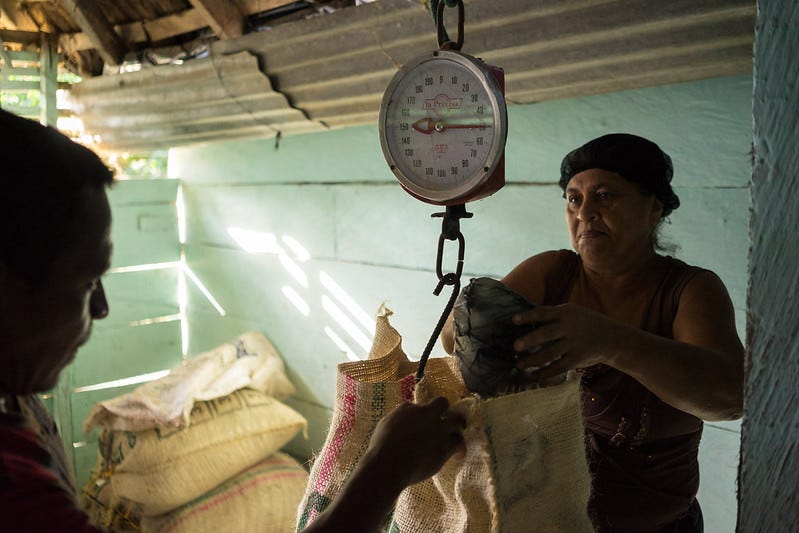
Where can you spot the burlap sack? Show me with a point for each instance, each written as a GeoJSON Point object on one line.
{"type": "Point", "coordinates": [159, 470]}
{"type": "Point", "coordinates": [262, 498]}
{"type": "Point", "coordinates": [524, 469]}
{"type": "Point", "coordinates": [248, 361]}
{"type": "Point", "coordinates": [103, 510]}
{"type": "Point", "coordinates": [365, 392]}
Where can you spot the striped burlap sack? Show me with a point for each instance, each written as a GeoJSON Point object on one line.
{"type": "Point", "coordinates": [158, 470]}
{"type": "Point", "coordinates": [365, 392]}
{"type": "Point", "coordinates": [524, 468]}
{"type": "Point", "coordinates": [262, 498]}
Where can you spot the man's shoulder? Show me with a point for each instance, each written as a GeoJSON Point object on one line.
{"type": "Point", "coordinates": [23, 461]}
{"type": "Point", "coordinates": [32, 497]}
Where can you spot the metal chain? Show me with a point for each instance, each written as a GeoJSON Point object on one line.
{"type": "Point", "coordinates": [450, 231]}
{"type": "Point", "coordinates": [444, 42]}
{"type": "Point", "coordinates": [450, 225]}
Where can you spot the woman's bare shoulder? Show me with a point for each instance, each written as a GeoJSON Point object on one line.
{"type": "Point", "coordinates": [529, 277]}
{"type": "Point", "coordinates": [540, 263]}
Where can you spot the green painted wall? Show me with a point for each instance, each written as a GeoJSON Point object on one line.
{"type": "Point", "coordinates": [332, 195]}
{"type": "Point", "coordinates": [144, 232]}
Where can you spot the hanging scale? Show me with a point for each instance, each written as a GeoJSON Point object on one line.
{"type": "Point", "coordinates": [443, 124]}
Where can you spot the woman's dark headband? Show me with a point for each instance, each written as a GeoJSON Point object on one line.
{"type": "Point", "coordinates": [634, 158]}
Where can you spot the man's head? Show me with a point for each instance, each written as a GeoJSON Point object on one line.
{"type": "Point", "coordinates": [54, 246]}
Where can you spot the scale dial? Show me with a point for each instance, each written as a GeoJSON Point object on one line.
{"type": "Point", "coordinates": [443, 125]}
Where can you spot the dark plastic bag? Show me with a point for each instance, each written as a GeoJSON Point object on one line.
{"type": "Point", "coordinates": [484, 337]}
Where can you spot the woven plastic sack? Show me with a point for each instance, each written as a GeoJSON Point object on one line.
{"type": "Point", "coordinates": [524, 468]}
{"type": "Point", "coordinates": [248, 361]}
{"type": "Point", "coordinates": [262, 498]}
{"type": "Point", "coordinates": [159, 470]}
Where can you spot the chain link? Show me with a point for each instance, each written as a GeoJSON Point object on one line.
{"type": "Point", "coordinates": [444, 41]}
{"type": "Point", "coordinates": [450, 231]}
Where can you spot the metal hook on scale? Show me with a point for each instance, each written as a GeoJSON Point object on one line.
{"type": "Point", "coordinates": [443, 125]}
{"type": "Point", "coordinates": [450, 231]}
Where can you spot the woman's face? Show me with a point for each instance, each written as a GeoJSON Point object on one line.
{"type": "Point", "coordinates": [610, 221]}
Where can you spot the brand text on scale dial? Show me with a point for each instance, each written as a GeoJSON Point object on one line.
{"type": "Point", "coordinates": [444, 128]}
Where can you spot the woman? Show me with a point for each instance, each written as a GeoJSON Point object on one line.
{"type": "Point", "coordinates": [653, 337]}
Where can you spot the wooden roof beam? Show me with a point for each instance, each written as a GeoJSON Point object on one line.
{"type": "Point", "coordinates": [21, 37]}
{"type": "Point", "coordinates": [223, 16]}
{"type": "Point", "coordinates": [164, 27]}
{"type": "Point", "coordinates": [14, 18]}
{"type": "Point", "coordinates": [101, 33]}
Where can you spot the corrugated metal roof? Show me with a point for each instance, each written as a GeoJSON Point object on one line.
{"type": "Point", "coordinates": [210, 99]}
{"type": "Point", "coordinates": [331, 71]}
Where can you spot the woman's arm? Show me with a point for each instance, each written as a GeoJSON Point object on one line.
{"type": "Point", "coordinates": [699, 372]}
{"type": "Point", "coordinates": [409, 445]}
{"type": "Point", "coordinates": [704, 376]}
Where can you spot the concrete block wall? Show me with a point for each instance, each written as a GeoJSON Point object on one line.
{"type": "Point", "coordinates": [769, 497]}
{"type": "Point", "coordinates": [327, 226]}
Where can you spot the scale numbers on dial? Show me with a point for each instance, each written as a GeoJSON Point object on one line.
{"type": "Point", "coordinates": [440, 125]}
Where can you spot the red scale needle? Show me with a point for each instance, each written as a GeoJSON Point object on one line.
{"type": "Point", "coordinates": [428, 125]}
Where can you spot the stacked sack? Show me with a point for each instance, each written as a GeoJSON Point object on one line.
{"type": "Point", "coordinates": [214, 465]}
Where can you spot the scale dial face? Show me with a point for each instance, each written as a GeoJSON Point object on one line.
{"type": "Point", "coordinates": [443, 125]}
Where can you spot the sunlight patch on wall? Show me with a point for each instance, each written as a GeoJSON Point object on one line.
{"type": "Point", "coordinates": [180, 206]}
{"type": "Point", "coordinates": [133, 380]}
{"type": "Point", "coordinates": [183, 269]}
{"type": "Point", "coordinates": [345, 322]}
{"type": "Point", "coordinates": [184, 273]}
{"type": "Point", "coordinates": [255, 242]}
{"type": "Point", "coordinates": [294, 297]}
{"type": "Point", "coordinates": [261, 242]}
{"type": "Point", "coordinates": [346, 300]}
{"type": "Point", "coordinates": [338, 341]}
{"type": "Point", "coordinates": [338, 304]}
{"type": "Point", "coordinates": [183, 298]}
{"type": "Point", "coordinates": [200, 285]}
{"type": "Point", "coordinates": [294, 270]}
{"type": "Point", "coordinates": [155, 320]}
{"type": "Point", "coordinates": [145, 267]}
{"type": "Point", "coordinates": [296, 248]}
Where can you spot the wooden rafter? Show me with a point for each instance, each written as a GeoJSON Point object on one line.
{"type": "Point", "coordinates": [14, 18]}
{"type": "Point", "coordinates": [141, 32]}
{"type": "Point", "coordinates": [100, 32]}
{"type": "Point", "coordinates": [165, 27]}
{"type": "Point", "coordinates": [20, 37]}
{"type": "Point", "coordinates": [223, 17]}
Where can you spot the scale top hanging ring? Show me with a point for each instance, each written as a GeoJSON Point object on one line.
{"type": "Point", "coordinates": [443, 42]}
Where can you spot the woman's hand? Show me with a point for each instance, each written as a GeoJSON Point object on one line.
{"type": "Point", "coordinates": [566, 337]}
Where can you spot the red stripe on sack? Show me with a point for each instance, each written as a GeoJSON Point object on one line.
{"type": "Point", "coordinates": [228, 495]}
{"type": "Point", "coordinates": [340, 436]}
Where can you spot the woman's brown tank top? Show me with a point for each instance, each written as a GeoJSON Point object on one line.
{"type": "Point", "coordinates": [642, 452]}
